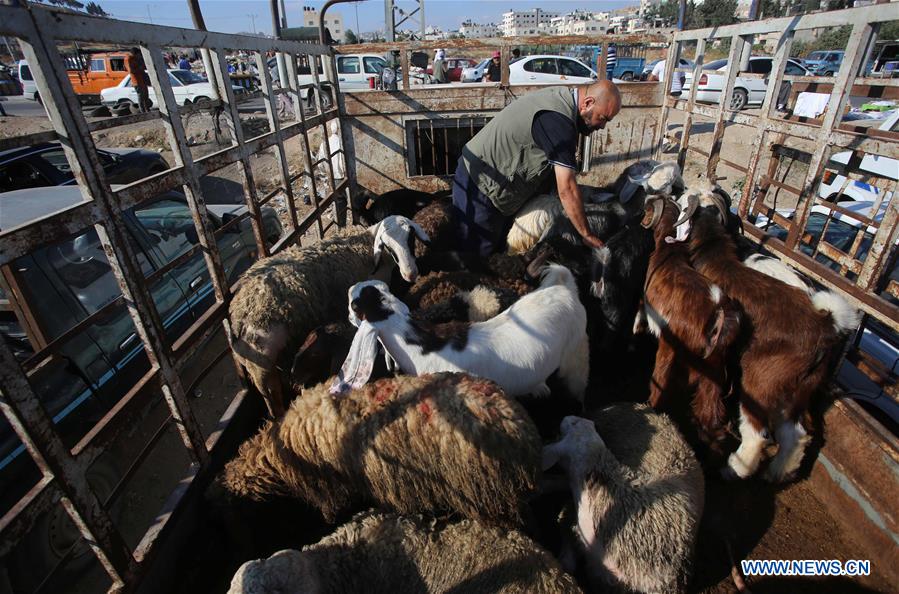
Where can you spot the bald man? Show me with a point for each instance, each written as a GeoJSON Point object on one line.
{"type": "Point", "coordinates": [506, 163]}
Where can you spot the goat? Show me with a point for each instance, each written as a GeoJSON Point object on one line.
{"type": "Point", "coordinates": [787, 350]}
{"type": "Point", "coordinates": [695, 323]}
{"type": "Point", "coordinates": [519, 349]}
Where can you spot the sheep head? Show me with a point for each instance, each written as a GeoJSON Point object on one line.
{"type": "Point", "coordinates": [395, 235]}
{"type": "Point", "coordinates": [704, 195]}
{"type": "Point", "coordinates": [372, 301]}
{"type": "Point", "coordinates": [285, 571]}
{"type": "Point", "coordinates": [578, 439]}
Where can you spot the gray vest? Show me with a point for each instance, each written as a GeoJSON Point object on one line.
{"type": "Point", "coordinates": [503, 160]}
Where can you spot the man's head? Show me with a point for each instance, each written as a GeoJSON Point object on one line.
{"type": "Point", "coordinates": [598, 104]}
{"type": "Point", "coordinates": [496, 57]}
{"type": "Point", "coordinates": [516, 53]}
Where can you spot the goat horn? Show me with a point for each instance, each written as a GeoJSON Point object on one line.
{"type": "Point", "coordinates": [537, 263]}
{"type": "Point", "coordinates": [692, 205]}
{"type": "Point", "coordinates": [658, 208]}
{"type": "Point", "coordinates": [721, 206]}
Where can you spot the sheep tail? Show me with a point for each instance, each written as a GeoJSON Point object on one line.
{"type": "Point", "coordinates": [845, 317]}
{"type": "Point", "coordinates": [724, 324]}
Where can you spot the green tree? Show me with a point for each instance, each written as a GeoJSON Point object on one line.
{"type": "Point", "coordinates": [889, 31]}
{"type": "Point", "coordinates": [95, 9]}
{"type": "Point", "coordinates": [712, 14]}
{"type": "Point", "coordinates": [349, 37]}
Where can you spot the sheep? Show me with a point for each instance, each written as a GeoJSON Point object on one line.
{"type": "Point", "coordinates": [438, 287]}
{"type": "Point", "coordinates": [371, 209]}
{"type": "Point", "coordinates": [283, 297]}
{"type": "Point", "coordinates": [440, 442]}
{"type": "Point", "coordinates": [389, 553]}
{"type": "Point", "coordinates": [519, 349]}
{"type": "Point", "coordinates": [775, 268]}
{"type": "Point", "coordinates": [789, 352]}
{"type": "Point", "coordinates": [639, 493]}
{"type": "Point", "coordinates": [695, 323]}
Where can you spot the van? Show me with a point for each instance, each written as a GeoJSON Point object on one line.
{"type": "Point", "coordinates": [29, 87]}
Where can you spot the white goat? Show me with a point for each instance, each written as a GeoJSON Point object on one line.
{"type": "Point", "coordinates": [518, 349]}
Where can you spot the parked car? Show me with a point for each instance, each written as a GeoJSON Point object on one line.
{"type": "Point", "coordinates": [627, 68]}
{"type": "Point", "coordinates": [92, 73]}
{"type": "Point", "coordinates": [747, 91]}
{"type": "Point", "coordinates": [46, 165]}
{"type": "Point", "coordinates": [877, 340]}
{"type": "Point", "coordinates": [475, 73]}
{"type": "Point", "coordinates": [542, 69]}
{"type": "Point", "coordinates": [26, 79]}
{"type": "Point", "coordinates": [832, 180]}
{"type": "Point", "coordinates": [885, 62]}
{"type": "Point", "coordinates": [188, 87]}
{"type": "Point", "coordinates": [69, 280]}
{"type": "Point", "coordinates": [824, 63]}
{"type": "Point", "coordinates": [454, 68]}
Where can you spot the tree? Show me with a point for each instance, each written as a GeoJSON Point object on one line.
{"type": "Point", "coordinates": [95, 9]}
{"type": "Point", "coordinates": [349, 37]}
{"type": "Point", "coordinates": [91, 8]}
{"type": "Point", "coordinates": [712, 14]}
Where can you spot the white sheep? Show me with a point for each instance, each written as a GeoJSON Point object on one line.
{"type": "Point", "coordinates": [284, 297]}
{"type": "Point", "coordinates": [389, 553]}
{"type": "Point", "coordinates": [519, 349]}
{"type": "Point", "coordinates": [639, 496]}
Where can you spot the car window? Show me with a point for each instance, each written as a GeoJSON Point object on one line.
{"type": "Point", "coordinates": [349, 65]}
{"type": "Point", "coordinates": [117, 64]}
{"type": "Point", "coordinates": [373, 65]}
{"type": "Point", "coordinates": [760, 66]}
{"type": "Point", "coordinates": [541, 65]}
{"type": "Point", "coordinates": [833, 57]}
{"type": "Point", "coordinates": [170, 227]}
{"type": "Point", "coordinates": [25, 72]}
{"type": "Point", "coordinates": [715, 65]}
{"type": "Point", "coordinates": [815, 55]}
{"type": "Point", "coordinates": [56, 159]}
{"type": "Point", "coordinates": [484, 63]}
{"type": "Point", "coordinates": [187, 77]}
{"type": "Point", "coordinates": [793, 68]}
{"type": "Point", "coordinates": [572, 68]}
{"type": "Point", "coordinates": [21, 174]}
{"type": "Point", "coordinates": [98, 65]}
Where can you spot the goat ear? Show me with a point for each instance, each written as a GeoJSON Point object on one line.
{"type": "Point", "coordinates": [420, 233]}
{"type": "Point", "coordinates": [551, 455]}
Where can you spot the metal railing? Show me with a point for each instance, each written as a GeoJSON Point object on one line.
{"type": "Point", "coordinates": [39, 31]}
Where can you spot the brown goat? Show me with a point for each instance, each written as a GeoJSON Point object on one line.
{"type": "Point", "coordinates": [696, 324]}
{"type": "Point", "coordinates": [787, 348]}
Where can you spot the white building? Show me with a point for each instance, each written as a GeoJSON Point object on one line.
{"type": "Point", "coordinates": [579, 22]}
{"type": "Point", "coordinates": [333, 21]}
{"type": "Point", "coordinates": [473, 30]}
{"type": "Point", "coordinates": [527, 22]}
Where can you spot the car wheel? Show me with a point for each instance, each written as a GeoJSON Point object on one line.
{"type": "Point", "coordinates": [738, 100]}
{"type": "Point", "coordinates": [627, 76]}
{"type": "Point", "coordinates": [37, 97]}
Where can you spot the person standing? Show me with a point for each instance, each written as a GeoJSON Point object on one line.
{"type": "Point", "coordinates": [440, 66]}
{"type": "Point", "coordinates": [611, 61]}
{"type": "Point", "coordinates": [533, 139]}
{"type": "Point", "coordinates": [134, 64]}
{"type": "Point", "coordinates": [184, 64]}
{"type": "Point", "coordinates": [493, 73]}
{"type": "Point", "coordinates": [677, 78]}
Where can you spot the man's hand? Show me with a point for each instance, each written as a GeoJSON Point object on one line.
{"type": "Point", "coordinates": [570, 195]}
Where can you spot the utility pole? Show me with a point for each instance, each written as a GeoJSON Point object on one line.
{"type": "Point", "coordinates": [253, 19]}
{"type": "Point", "coordinates": [149, 16]}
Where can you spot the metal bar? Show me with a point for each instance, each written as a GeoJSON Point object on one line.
{"type": "Point", "coordinates": [19, 304]}
{"type": "Point", "coordinates": [738, 46]}
{"type": "Point", "coordinates": [307, 154]}
{"type": "Point", "coordinates": [672, 59]}
{"type": "Point", "coordinates": [505, 58]}
{"type": "Point", "coordinates": [500, 42]}
{"type": "Point", "coordinates": [691, 104]}
{"type": "Point", "coordinates": [19, 520]}
{"type": "Point", "coordinates": [883, 243]}
{"type": "Point", "coordinates": [404, 65]}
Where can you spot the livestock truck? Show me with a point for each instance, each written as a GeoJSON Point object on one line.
{"type": "Point", "coordinates": [131, 501]}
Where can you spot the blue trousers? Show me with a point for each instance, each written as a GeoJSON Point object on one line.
{"type": "Point", "coordinates": [480, 227]}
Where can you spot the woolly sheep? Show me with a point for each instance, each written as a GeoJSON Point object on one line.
{"type": "Point", "coordinates": [389, 553]}
{"type": "Point", "coordinates": [283, 297]}
{"type": "Point", "coordinates": [441, 442]}
{"type": "Point", "coordinates": [639, 494]}
{"type": "Point", "coordinates": [435, 288]}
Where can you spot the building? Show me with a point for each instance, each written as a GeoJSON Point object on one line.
{"type": "Point", "coordinates": [527, 22]}
{"type": "Point", "coordinates": [580, 22]}
{"type": "Point", "coordinates": [333, 21]}
{"type": "Point", "coordinates": [473, 30]}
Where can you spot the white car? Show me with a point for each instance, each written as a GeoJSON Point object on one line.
{"type": "Point", "coordinates": [552, 70]}
{"type": "Point", "coordinates": [476, 73]}
{"type": "Point", "coordinates": [832, 181]}
{"type": "Point", "coordinates": [747, 91]}
{"type": "Point", "coordinates": [187, 86]}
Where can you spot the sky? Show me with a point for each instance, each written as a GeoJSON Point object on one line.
{"type": "Point", "coordinates": [232, 16]}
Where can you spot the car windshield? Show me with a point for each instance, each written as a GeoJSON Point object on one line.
{"type": "Point", "coordinates": [187, 77]}
{"type": "Point", "coordinates": [817, 55]}
{"type": "Point", "coordinates": [717, 64]}
{"type": "Point", "coordinates": [484, 63]}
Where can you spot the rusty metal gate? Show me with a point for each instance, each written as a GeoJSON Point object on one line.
{"type": "Point", "coordinates": [41, 32]}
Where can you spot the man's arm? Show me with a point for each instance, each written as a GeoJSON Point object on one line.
{"type": "Point", "coordinates": [573, 203]}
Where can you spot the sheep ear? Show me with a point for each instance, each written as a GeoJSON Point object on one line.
{"type": "Point", "coordinates": [551, 455]}
{"type": "Point", "coordinates": [420, 233]}
{"type": "Point", "coordinates": [377, 252]}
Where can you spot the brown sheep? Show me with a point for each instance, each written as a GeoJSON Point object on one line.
{"type": "Point", "coordinates": [389, 553]}
{"type": "Point", "coordinates": [445, 441]}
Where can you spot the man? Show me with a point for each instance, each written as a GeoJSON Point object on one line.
{"type": "Point", "coordinates": [493, 72]}
{"type": "Point", "coordinates": [677, 79]}
{"type": "Point", "coordinates": [532, 139]}
{"type": "Point", "coordinates": [439, 69]}
{"type": "Point", "coordinates": [516, 55]}
{"type": "Point", "coordinates": [134, 64]}
{"type": "Point", "coordinates": [611, 61]}
{"type": "Point", "coordinates": [184, 64]}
